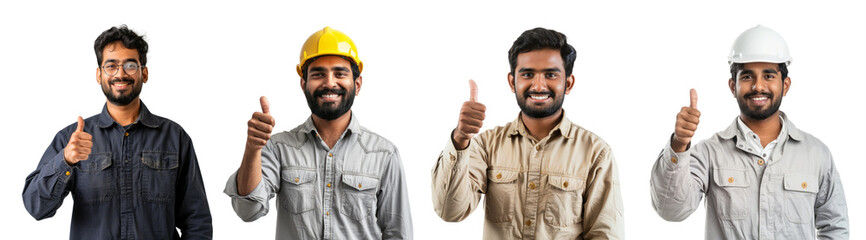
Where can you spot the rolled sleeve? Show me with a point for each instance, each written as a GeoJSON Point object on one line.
{"type": "Point", "coordinates": [255, 205]}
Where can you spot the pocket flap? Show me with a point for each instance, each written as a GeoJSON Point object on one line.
{"type": "Point", "coordinates": [565, 183]}
{"type": "Point", "coordinates": [501, 176]}
{"type": "Point", "coordinates": [801, 183]}
{"type": "Point", "coordinates": [159, 160]}
{"type": "Point", "coordinates": [360, 183]}
{"type": "Point", "coordinates": [731, 178]}
{"type": "Point", "coordinates": [298, 176]}
{"type": "Point", "coordinates": [95, 162]}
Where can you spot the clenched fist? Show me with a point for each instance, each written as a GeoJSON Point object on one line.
{"type": "Point", "coordinates": [260, 126]}
{"type": "Point", "coordinates": [471, 119]}
{"type": "Point", "coordinates": [687, 124]}
{"type": "Point", "coordinates": [79, 145]}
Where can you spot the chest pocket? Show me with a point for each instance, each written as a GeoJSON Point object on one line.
{"type": "Point", "coordinates": [358, 196]}
{"type": "Point", "coordinates": [502, 195]}
{"type": "Point", "coordinates": [159, 176]}
{"type": "Point", "coordinates": [94, 179]}
{"type": "Point", "coordinates": [730, 196]}
{"type": "Point", "coordinates": [800, 191]}
{"type": "Point", "coordinates": [564, 200]}
{"type": "Point", "coordinates": [298, 189]}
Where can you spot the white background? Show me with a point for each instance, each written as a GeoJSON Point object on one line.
{"type": "Point", "coordinates": [636, 60]}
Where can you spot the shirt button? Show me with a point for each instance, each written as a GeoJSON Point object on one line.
{"type": "Point", "coordinates": [804, 185]}
{"type": "Point", "coordinates": [531, 185]}
{"type": "Point", "coordinates": [731, 179]}
{"type": "Point", "coordinates": [329, 185]}
{"type": "Point", "coordinates": [297, 179]}
{"type": "Point", "coordinates": [327, 213]}
{"type": "Point", "coordinates": [498, 175]}
{"type": "Point", "coordinates": [673, 159]}
{"type": "Point", "coordinates": [761, 161]}
{"type": "Point", "coordinates": [330, 154]}
{"type": "Point", "coordinates": [528, 222]}
{"type": "Point", "coordinates": [126, 134]}
{"type": "Point", "coordinates": [359, 185]}
{"type": "Point", "coordinates": [565, 184]}
{"type": "Point", "coordinates": [538, 148]}
{"type": "Point", "coordinates": [67, 173]}
{"type": "Point", "coordinates": [453, 158]}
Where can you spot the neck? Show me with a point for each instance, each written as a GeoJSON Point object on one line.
{"type": "Point", "coordinates": [331, 130]}
{"type": "Point", "coordinates": [539, 128]}
{"type": "Point", "coordinates": [124, 115]}
{"type": "Point", "coordinates": [767, 129]}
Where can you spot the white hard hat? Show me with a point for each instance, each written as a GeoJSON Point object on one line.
{"type": "Point", "coordinates": [759, 44]}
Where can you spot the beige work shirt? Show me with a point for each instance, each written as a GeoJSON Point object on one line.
{"type": "Point", "coordinates": [564, 186]}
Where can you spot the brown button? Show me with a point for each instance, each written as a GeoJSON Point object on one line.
{"type": "Point", "coordinates": [565, 184]}
{"type": "Point", "coordinates": [531, 185]}
{"type": "Point", "coordinates": [538, 148]}
{"type": "Point", "coordinates": [804, 185]}
{"type": "Point", "coordinates": [297, 179]}
{"type": "Point", "coordinates": [67, 173]}
{"type": "Point", "coordinates": [761, 161]}
{"type": "Point", "coordinates": [126, 134]}
{"type": "Point", "coordinates": [453, 158]}
{"type": "Point", "coordinates": [327, 213]}
{"type": "Point", "coordinates": [731, 179]}
{"type": "Point", "coordinates": [528, 223]}
{"type": "Point", "coordinates": [329, 185]}
{"type": "Point", "coordinates": [330, 154]}
{"type": "Point", "coordinates": [498, 175]}
{"type": "Point", "coordinates": [674, 160]}
{"type": "Point", "coordinates": [359, 185]}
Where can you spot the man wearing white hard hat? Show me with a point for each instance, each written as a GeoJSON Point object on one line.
{"type": "Point", "coordinates": [762, 176]}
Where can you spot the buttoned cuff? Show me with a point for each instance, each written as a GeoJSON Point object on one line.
{"type": "Point", "coordinates": [60, 168]}
{"type": "Point", "coordinates": [675, 160]}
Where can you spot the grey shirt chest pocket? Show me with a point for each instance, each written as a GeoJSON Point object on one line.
{"type": "Point", "coordinates": [358, 196]}
{"type": "Point", "coordinates": [730, 195]}
{"type": "Point", "coordinates": [297, 193]}
{"type": "Point", "coordinates": [159, 175]}
{"type": "Point", "coordinates": [94, 179]}
{"type": "Point", "coordinates": [564, 200]}
{"type": "Point", "coordinates": [800, 191]}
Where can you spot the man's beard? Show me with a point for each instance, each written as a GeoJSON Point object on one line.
{"type": "Point", "coordinates": [759, 114]}
{"type": "Point", "coordinates": [535, 112]}
{"type": "Point", "coordinates": [121, 100]}
{"type": "Point", "coordinates": [330, 111]}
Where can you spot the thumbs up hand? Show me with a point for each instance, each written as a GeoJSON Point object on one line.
{"type": "Point", "coordinates": [79, 145]}
{"type": "Point", "coordinates": [687, 124]}
{"type": "Point", "coordinates": [260, 126]}
{"type": "Point", "coordinates": [471, 119]}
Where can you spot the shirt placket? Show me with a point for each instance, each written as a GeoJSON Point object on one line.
{"type": "Point", "coordinates": [329, 193]}
{"type": "Point", "coordinates": [532, 189]}
{"type": "Point", "coordinates": [127, 222]}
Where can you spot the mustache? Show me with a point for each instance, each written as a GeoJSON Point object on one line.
{"type": "Point", "coordinates": [120, 80]}
{"type": "Point", "coordinates": [756, 93]}
{"type": "Point", "coordinates": [337, 90]}
{"type": "Point", "coordinates": [528, 92]}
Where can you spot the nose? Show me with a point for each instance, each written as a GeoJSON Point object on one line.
{"type": "Point", "coordinates": [759, 85]}
{"type": "Point", "coordinates": [538, 84]}
{"type": "Point", "coordinates": [331, 80]}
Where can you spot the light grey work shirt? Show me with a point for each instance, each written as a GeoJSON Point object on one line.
{"type": "Point", "coordinates": [788, 195]}
{"type": "Point", "coordinates": [356, 190]}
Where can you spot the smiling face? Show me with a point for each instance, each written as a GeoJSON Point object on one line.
{"type": "Point", "coordinates": [124, 86]}
{"type": "Point", "coordinates": [759, 89]}
{"type": "Point", "coordinates": [540, 84]}
{"type": "Point", "coordinates": [329, 87]}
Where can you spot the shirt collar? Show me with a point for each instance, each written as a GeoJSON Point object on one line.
{"type": "Point", "coordinates": [564, 127]}
{"type": "Point", "coordinates": [144, 116]}
{"type": "Point", "coordinates": [787, 128]}
{"type": "Point", "coordinates": [354, 126]}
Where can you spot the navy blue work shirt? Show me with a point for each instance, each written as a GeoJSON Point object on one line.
{"type": "Point", "coordinates": [140, 181]}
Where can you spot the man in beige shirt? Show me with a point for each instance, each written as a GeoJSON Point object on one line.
{"type": "Point", "coordinates": [545, 177]}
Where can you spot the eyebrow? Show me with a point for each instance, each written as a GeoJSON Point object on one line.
{"type": "Point", "coordinates": [322, 69]}
{"type": "Point", "coordinates": [127, 60]}
{"type": "Point", "coordinates": [773, 71]}
{"type": "Point", "coordinates": [543, 70]}
{"type": "Point", "coordinates": [744, 72]}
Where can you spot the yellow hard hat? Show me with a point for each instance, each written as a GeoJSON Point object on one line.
{"type": "Point", "coordinates": [329, 42]}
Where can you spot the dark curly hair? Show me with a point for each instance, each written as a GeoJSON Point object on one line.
{"type": "Point", "coordinates": [127, 37]}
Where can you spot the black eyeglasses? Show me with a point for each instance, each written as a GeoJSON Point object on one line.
{"type": "Point", "coordinates": [130, 68]}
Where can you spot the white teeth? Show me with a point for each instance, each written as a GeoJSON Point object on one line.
{"type": "Point", "coordinates": [759, 99]}
{"type": "Point", "coordinates": [329, 95]}
{"type": "Point", "coordinates": [540, 97]}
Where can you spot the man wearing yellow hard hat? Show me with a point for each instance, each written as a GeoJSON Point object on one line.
{"type": "Point", "coordinates": [762, 176]}
{"type": "Point", "coordinates": [333, 178]}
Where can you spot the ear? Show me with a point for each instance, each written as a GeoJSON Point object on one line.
{"type": "Point", "coordinates": [144, 75]}
{"type": "Point", "coordinates": [358, 85]}
{"type": "Point", "coordinates": [569, 83]}
{"type": "Point", "coordinates": [303, 84]}
{"type": "Point", "coordinates": [732, 84]}
{"type": "Point", "coordinates": [511, 82]}
{"type": "Point", "coordinates": [99, 76]}
{"type": "Point", "coordinates": [786, 85]}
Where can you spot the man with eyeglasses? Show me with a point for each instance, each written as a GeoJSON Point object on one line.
{"type": "Point", "coordinates": [132, 174]}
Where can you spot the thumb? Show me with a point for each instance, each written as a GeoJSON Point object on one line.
{"type": "Point", "coordinates": [80, 125]}
{"type": "Point", "coordinates": [266, 107]}
{"type": "Point", "coordinates": [694, 98]}
{"type": "Point", "coordinates": [473, 91]}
